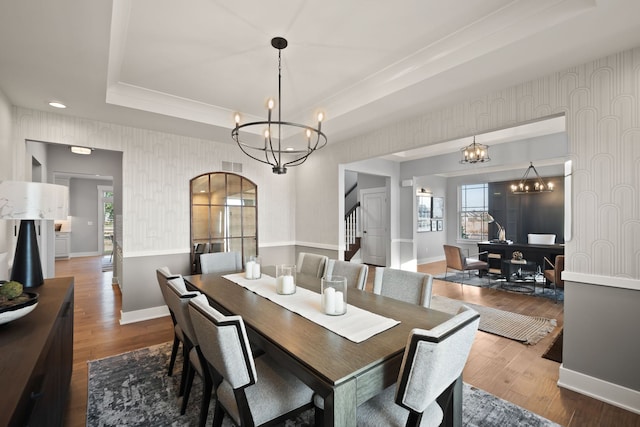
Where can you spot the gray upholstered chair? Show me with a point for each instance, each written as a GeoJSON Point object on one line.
{"type": "Point", "coordinates": [355, 273]}
{"type": "Point", "coordinates": [220, 262]}
{"type": "Point", "coordinates": [193, 360]}
{"type": "Point", "coordinates": [408, 286]}
{"type": "Point", "coordinates": [252, 391]}
{"type": "Point", "coordinates": [433, 360]}
{"type": "Point", "coordinates": [163, 274]}
{"type": "Point", "coordinates": [457, 261]}
{"type": "Point", "coordinates": [311, 264]}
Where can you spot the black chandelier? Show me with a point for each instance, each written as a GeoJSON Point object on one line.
{"type": "Point", "coordinates": [475, 153]}
{"type": "Point", "coordinates": [272, 151]}
{"type": "Point", "coordinates": [533, 185]}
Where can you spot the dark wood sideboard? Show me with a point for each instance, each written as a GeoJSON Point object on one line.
{"type": "Point", "coordinates": [496, 252]}
{"type": "Point", "coordinates": [36, 359]}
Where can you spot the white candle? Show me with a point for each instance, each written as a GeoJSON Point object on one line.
{"type": "Point", "coordinates": [329, 300]}
{"type": "Point", "coordinates": [248, 270]}
{"type": "Point", "coordinates": [279, 284]}
{"type": "Point", "coordinates": [256, 270]}
{"type": "Point", "coordinates": [288, 286]}
{"type": "Point", "coordinates": [340, 306]}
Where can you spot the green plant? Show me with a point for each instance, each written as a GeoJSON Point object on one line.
{"type": "Point", "coordinates": [11, 290]}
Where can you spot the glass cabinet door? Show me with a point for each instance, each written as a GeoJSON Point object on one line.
{"type": "Point", "coordinates": [223, 216]}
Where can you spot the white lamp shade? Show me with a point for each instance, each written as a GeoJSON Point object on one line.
{"type": "Point", "coordinates": [33, 200]}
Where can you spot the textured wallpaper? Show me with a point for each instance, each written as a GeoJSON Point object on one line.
{"type": "Point", "coordinates": [601, 101]}
{"type": "Point", "coordinates": [157, 168]}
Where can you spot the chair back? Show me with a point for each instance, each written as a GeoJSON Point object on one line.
{"type": "Point", "coordinates": [408, 286]}
{"type": "Point", "coordinates": [541, 239]}
{"type": "Point", "coordinates": [223, 342]}
{"type": "Point", "coordinates": [355, 273]}
{"type": "Point", "coordinates": [312, 264]}
{"type": "Point", "coordinates": [557, 271]}
{"type": "Point", "coordinates": [220, 262]}
{"type": "Point", "coordinates": [454, 257]}
{"type": "Point", "coordinates": [178, 301]}
{"type": "Point", "coordinates": [434, 359]}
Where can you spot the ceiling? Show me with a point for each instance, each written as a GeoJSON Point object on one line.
{"type": "Point", "coordinates": [186, 67]}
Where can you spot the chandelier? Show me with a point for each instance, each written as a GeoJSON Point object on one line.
{"type": "Point", "coordinates": [533, 185]}
{"type": "Point", "coordinates": [273, 151]}
{"type": "Point", "coordinates": [475, 153]}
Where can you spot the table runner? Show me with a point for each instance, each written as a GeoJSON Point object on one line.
{"type": "Point", "coordinates": [355, 325]}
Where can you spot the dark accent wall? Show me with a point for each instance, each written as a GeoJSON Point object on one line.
{"type": "Point", "coordinates": [521, 214]}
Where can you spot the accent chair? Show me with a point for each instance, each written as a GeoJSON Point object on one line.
{"type": "Point", "coordinates": [457, 261]}
{"type": "Point", "coordinates": [553, 276]}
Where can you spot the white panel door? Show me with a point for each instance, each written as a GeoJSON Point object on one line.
{"type": "Point", "coordinates": [374, 226]}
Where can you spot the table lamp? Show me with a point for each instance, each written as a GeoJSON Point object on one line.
{"type": "Point", "coordinates": [30, 201]}
{"type": "Point", "coordinates": [501, 231]}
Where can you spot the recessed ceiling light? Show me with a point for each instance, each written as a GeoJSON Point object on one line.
{"type": "Point", "coordinates": [56, 104]}
{"type": "Point", "coordinates": [80, 150]}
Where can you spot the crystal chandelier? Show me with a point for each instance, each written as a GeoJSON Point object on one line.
{"type": "Point", "coordinates": [475, 153]}
{"type": "Point", "coordinates": [273, 150]}
{"type": "Point", "coordinates": [533, 185]}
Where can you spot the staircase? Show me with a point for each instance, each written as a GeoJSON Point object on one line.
{"type": "Point", "coordinates": [351, 228]}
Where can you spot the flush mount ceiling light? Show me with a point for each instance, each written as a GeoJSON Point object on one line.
{"type": "Point", "coordinates": [80, 150]}
{"type": "Point", "coordinates": [531, 185]}
{"type": "Point", "coordinates": [475, 153]}
{"type": "Point", "coordinates": [57, 104]}
{"type": "Point", "coordinates": [273, 151]}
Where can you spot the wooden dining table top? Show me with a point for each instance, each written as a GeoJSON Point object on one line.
{"type": "Point", "coordinates": [330, 358]}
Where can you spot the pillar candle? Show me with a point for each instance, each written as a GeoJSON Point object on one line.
{"type": "Point", "coordinates": [329, 300]}
{"type": "Point", "coordinates": [248, 273]}
{"type": "Point", "coordinates": [256, 270]}
{"type": "Point", "coordinates": [339, 305]}
{"type": "Point", "coordinates": [288, 286]}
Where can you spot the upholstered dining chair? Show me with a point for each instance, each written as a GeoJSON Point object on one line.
{"type": "Point", "coordinates": [252, 391]}
{"type": "Point", "coordinates": [193, 361]}
{"type": "Point", "coordinates": [220, 262]}
{"type": "Point", "coordinates": [311, 264]}
{"type": "Point", "coordinates": [163, 274]}
{"type": "Point", "coordinates": [355, 273]}
{"type": "Point", "coordinates": [457, 261]}
{"type": "Point", "coordinates": [553, 276]}
{"type": "Point", "coordinates": [432, 362]}
{"type": "Point", "coordinates": [408, 286]}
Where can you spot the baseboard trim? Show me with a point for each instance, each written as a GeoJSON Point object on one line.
{"type": "Point", "coordinates": [604, 391]}
{"type": "Point", "coordinates": [142, 315]}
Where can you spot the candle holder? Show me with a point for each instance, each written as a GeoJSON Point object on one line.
{"type": "Point", "coordinates": [285, 279]}
{"type": "Point", "coordinates": [252, 268]}
{"type": "Point", "coordinates": [334, 295]}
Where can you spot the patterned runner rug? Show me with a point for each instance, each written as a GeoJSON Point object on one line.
{"type": "Point", "coordinates": [133, 389]}
{"type": "Point", "coordinates": [518, 327]}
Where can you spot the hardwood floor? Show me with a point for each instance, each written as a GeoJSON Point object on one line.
{"type": "Point", "coordinates": [508, 369]}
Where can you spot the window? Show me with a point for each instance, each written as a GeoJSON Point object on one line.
{"type": "Point", "coordinates": [223, 215]}
{"type": "Point", "coordinates": [474, 205]}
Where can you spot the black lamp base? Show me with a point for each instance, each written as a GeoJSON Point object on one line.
{"type": "Point", "coordinates": [27, 268]}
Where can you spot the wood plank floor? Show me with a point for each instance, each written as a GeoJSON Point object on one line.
{"type": "Point", "coordinates": [508, 369]}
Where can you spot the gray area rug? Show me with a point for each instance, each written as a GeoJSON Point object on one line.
{"type": "Point", "coordinates": [482, 282]}
{"type": "Point", "coordinates": [133, 389]}
{"type": "Point", "coordinates": [518, 327]}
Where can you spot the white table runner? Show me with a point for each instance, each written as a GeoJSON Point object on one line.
{"type": "Point", "coordinates": [355, 325]}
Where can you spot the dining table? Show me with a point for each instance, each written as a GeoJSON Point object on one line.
{"type": "Point", "coordinates": [343, 372]}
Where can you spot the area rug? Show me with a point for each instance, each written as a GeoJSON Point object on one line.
{"type": "Point", "coordinates": [518, 327]}
{"type": "Point", "coordinates": [554, 352]}
{"type": "Point", "coordinates": [133, 389]}
{"type": "Point", "coordinates": [482, 282]}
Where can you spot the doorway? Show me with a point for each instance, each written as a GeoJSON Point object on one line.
{"type": "Point", "coordinates": [105, 223]}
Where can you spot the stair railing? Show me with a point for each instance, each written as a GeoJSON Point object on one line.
{"type": "Point", "coordinates": [351, 225]}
